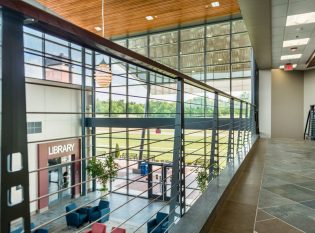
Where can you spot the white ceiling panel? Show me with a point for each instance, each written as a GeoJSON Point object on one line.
{"type": "Point", "coordinates": [280, 32]}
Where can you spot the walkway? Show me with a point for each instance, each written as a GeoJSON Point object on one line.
{"type": "Point", "coordinates": [278, 183]}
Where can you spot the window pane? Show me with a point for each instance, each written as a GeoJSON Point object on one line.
{"type": "Point", "coordinates": [163, 38]}
{"type": "Point", "coordinates": [163, 50]}
{"type": "Point", "coordinates": [218, 72]}
{"type": "Point", "coordinates": [194, 46]}
{"type": "Point", "coordinates": [218, 29]}
{"type": "Point", "coordinates": [193, 33]}
{"type": "Point", "coordinates": [217, 43]}
{"type": "Point", "coordinates": [241, 55]}
{"type": "Point", "coordinates": [218, 57]}
{"type": "Point", "coordinates": [192, 60]}
{"type": "Point", "coordinates": [241, 70]}
{"type": "Point", "coordinates": [238, 26]}
{"type": "Point", "coordinates": [240, 40]}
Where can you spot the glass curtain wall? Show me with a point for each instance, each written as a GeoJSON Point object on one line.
{"type": "Point", "coordinates": [219, 54]}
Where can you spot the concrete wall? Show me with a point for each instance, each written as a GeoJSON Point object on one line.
{"type": "Point", "coordinates": [265, 103]}
{"type": "Point", "coordinates": [50, 99]}
{"type": "Point", "coordinates": [309, 91]}
{"type": "Point", "coordinates": [287, 104]}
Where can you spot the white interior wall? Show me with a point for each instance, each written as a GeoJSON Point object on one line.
{"type": "Point", "coordinates": [41, 98]}
{"type": "Point", "coordinates": [265, 103]}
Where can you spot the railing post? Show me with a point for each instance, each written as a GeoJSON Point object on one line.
{"type": "Point", "coordinates": [230, 151]}
{"type": "Point", "coordinates": [214, 156]}
{"type": "Point", "coordinates": [245, 124]}
{"type": "Point", "coordinates": [178, 171]}
{"type": "Point", "coordinates": [14, 152]}
{"type": "Point", "coordinates": [240, 127]}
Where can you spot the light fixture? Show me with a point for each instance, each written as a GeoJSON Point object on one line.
{"type": "Point", "coordinates": [98, 28]}
{"type": "Point", "coordinates": [149, 17]}
{"type": "Point", "coordinates": [297, 42]}
{"type": "Point", "coordinates": [299, 19]}
{"type": "Point", "coordinates": [103, 74]}
{"type": "Point", "coordinates": [215, 4]}
{"type": "Point", "coordinates": [293, 49]}
{"type": "Point", "coordinates": [293, 56]}
{"type": "Point", "coordinates": [220, 59]}
{"type": "Point", "coordinates": [282, 66]}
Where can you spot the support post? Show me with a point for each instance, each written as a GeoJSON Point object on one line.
{"type": "Point", "coordinates": [146, 110]}
{"type": "Point", "coordinates": [14, 152]}
{"type": "Point", "coordinates": [230, 151]}
{"type": "Point", "coordinates": [83, 109]}
{"type": "Point", "coordinates": [93, 101]}
{"type": "Point", "coordinates": [214, 156]}
{"type": "Point", "coordinates": [239, 133]}
{"type": "Point", "coordinates": [178, 171]}
{"type": "Point", "coordinates": [245, 124]}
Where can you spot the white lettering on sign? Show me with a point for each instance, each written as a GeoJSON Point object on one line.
{"type": "Point", "coordinates": [53, 150]}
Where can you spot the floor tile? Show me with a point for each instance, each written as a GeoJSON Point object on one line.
{"type": "Point", "coordinates": [299, 216]}
{"type": "Point", "coordinates": [262, 215]}
{"type": "Point", "coordinates": [275, 226]}
{"type": "Point", "coordinates": [293, 192]}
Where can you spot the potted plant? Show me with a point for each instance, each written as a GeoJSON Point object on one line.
{"type": "Point", "coordinates": [204, 173]}
{"type": "Point", "coordinates": [104, 169]}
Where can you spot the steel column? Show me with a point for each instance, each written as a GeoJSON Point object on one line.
{"type": "Point", "coordinates": [230, 151]}
{"type": "Point", "coordinates": [146, 110]}
{"type": "Point", "coordinates": [93, 114]}
{"type": "Point", "coordinates": [13, 123]}
{"type": "Point", "coordinates": [214, 156]}
{"type": "Point", "coordinates": [83, 109]}
{"type": "Point", "coordinates": [178, 171]}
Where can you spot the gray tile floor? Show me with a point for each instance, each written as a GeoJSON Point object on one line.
{"type": "Point", "coordinates": [127, 212]}
{"type": "Point", "coordinates": [287, 197]}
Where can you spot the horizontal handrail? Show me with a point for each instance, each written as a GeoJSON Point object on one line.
{"type": "Point", "coordinates": [56, 26]}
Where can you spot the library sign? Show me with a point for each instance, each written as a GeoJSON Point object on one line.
{"type": "Point", "coordinates": [58, 149]}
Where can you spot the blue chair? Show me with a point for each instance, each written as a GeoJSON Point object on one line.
{"type": "Point", "coordinates": [97, 212]}
{"type": "Point", "coordinates": [158, 224]}
{"type": "Point", "coordinates": [76, 218]}
{"type": "Point", "coordinates": [40, 230]}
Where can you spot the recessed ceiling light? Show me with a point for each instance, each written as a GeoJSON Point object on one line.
{"type": "Point", "coordinates": [293, 56]}
{"type": "Point", "coordinates": [294, 49]}
{"type": "Point", "coordinates": [220, 59]}
{"type": "Point", "coordinates": [299, 19]}
{"type": "Point", "coordinates": [215, 4]}
{"type": "Point", "coordinates": [289, 43]}
{"type": "Point", "coordinates": [294, 66]}
{"type": "Point", "coordinates": [98, 29]}
{"type": "Point", "coordinates": [149, 17]}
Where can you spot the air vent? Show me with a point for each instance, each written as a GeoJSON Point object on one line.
{"type": "Point", "coordinates": [311, 61]}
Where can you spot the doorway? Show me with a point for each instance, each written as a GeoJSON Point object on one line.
{"type": "Point", "coordinates": [159, 181]}
{"type": "Point", "coordinates": [60, 178]}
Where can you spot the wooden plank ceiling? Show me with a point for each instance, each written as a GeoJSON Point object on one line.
{"type": "Point", "coordinates": [124, 17]}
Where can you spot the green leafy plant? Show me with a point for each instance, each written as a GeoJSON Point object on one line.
{"type": "Point", "coordinates": [104, 168]}
{"type": "Point", "coordinates": [204, 173]}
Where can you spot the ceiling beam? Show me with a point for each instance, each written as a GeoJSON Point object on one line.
{"type": "Point", "coordinates": [257, 17]}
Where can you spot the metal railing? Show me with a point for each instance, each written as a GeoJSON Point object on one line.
{"type": "Point", "coordinates": [176, 125]}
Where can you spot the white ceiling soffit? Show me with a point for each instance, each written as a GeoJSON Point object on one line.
{"type": "Point", "coordinates": [280, 32]}
{"type": "Point", "coordinates": [257, 17]}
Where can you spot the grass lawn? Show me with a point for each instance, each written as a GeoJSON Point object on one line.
{"type": "Point", "coordinates": [162, 143]}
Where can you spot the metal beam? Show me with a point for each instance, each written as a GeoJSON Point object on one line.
{"type": "Point", "coordinates": [162, 123]}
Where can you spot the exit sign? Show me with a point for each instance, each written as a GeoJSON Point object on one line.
{"type": "Point", "coordinates": [288, 67]}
